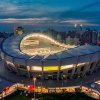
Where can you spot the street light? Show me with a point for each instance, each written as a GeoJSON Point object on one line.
{"type": "Point", "coordinates": [34, 79]}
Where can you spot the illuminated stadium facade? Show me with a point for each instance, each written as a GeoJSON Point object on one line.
{"type": "Point", "coordinates": [38, 55]}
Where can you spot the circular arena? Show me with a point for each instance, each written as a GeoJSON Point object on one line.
{"type": "Point", "coordinates": [40, 56]}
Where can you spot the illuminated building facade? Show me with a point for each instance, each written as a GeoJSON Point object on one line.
{"type": "Point", "coordinates": [37, 55]}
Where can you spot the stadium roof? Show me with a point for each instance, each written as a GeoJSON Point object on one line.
{"type": "Point", "coordinates": [10, 47]}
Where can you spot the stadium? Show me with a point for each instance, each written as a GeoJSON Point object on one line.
{"type": "Point", "coordinates": [38, 55]}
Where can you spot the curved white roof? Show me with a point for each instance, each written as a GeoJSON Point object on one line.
{"type": "Point", "coordinates": [11, 50]}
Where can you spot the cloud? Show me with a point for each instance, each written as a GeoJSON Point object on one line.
{"type": "Point", "coordinates": [7, 8]}
{"type": "Point", "coordinates": [14, 19]}
{"type": "Point", "coordinates": [92, 24]}
{"type": "Point", "coordinates": [42, 20]}
{"type": "Point", "coordinates": [46, 12]}
{"type": "Point", "coordinates": [90, 5]}
{"type": "Point", "coordinates": [30, 8]}
{"type": "Point", "coordinates": [47, 21]}
{"type": "Point", "coordinates": [74, 21]}
{"type": "Point", "coordinates": [26, 21]}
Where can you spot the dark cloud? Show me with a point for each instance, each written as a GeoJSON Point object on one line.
{"type": "Point", "coordinates": [60, 11]}
{"type": "Point", "coordinates": [90, 5]}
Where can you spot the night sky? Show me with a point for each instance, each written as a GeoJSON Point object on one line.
{"type": "Point", "coordinates": [53, 13]}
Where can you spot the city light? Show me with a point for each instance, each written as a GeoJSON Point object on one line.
{"type": "Point", "coordinates": [45, 37]}
{"type": "Point", "coordinates": [34, 46]}
{"type": "Point", "coordinates": [81, 25]}
{"type": "Point", "coordinates": [75, 25]}
{"type": "Point", "coordinates": [49, 49]}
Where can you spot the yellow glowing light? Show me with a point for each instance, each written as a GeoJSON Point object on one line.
{"type": "Point", "coordinates": [80, 64]}
{"type": "Point", "coordinates": [81, 25]}
{"type": "Point", "coordinates": [50, 68]}
{"type": "Point", "coordinates": [36, 68]}
{"type": "Point", "coordinates": [20, 32]}
{"type": "Point", "coordinates": [45, 37]}
{"type": "Point", "coordinates": [66, 67]}
{"type": "Point", "coordinates": [27, 45]}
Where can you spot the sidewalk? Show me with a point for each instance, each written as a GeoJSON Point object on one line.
{"type": "Point", "coordinates": [7, 75]}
